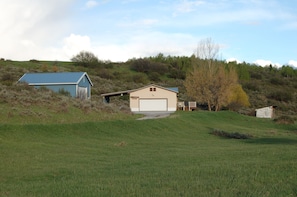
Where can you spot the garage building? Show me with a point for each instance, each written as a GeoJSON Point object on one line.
{"type": "Point", "coordinates": [151, 98]}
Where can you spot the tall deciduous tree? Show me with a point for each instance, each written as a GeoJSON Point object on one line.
{"type": "Point", "coordinates": [210, 81]}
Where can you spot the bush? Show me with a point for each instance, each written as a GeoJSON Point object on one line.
{"type": "Point", "coordinates": [139, 78]}
{"type": "Point", "coordinates": [147, 66]}
{"type": "Point", "coordinates": [252, 86]}
{"type": "Point", "coordinates": [281, 95]}
{"type": "Point", "coordinates": [86, 59]}
{"type": "Point", "coordinates": [177, 74]}
{"type": "Point", "coordinates": [256, 75]}
{"type": "Point", "coordinates": [284, 120]}
{"type": "Point", "coordinates": [154, 76]}
{"type": "Point", "coordinates": [34, 61]}
{"type": "Point", "coordinates": [106, 74]}
{"type": "Point", "coordinates": [277, 81]}
{"type": "Point", "coordinates": [64, 92]}
{"type": "Point", "coordinates": [235, 135]}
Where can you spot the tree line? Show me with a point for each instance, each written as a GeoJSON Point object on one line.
{"type": "Point", "coordinates": [207, 80]}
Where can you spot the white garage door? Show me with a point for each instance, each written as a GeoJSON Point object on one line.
{"type": "Point", "coordinates": [153, 105]}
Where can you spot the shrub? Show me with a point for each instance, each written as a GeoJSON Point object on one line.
{"type": "Point", "coordinates": [64, 92]}
{"type": "Point", "coordinates": [106, 74]}
{"type": "Point", "coordinates": [281, 95]}
{"type": "Point", "coordinates": [147, 66]}
{"type": "Point", "coordinates": [34, 61]}
{"type": "Point", "coordinates": [277, 81]}
{"type": "Point", "coordinates": [139, 78]}
{"type": "Point", "coordinates": [235, 135]}
{"type": "Point", "coordinates": [7, 77]}
{"type": "Point", "coordinates": [256, 75]}
{"type": "Point", "coordinates": [43, 89]}
{"type": "Point", "coordinates": [284, 120]}
{"type": "Point", "coordinates": [252, 86]}
{"type": "Point", "coordinates": [177, 74]}
{"type": "Point", "coordinates": [86, 59]}
{"type": "Point", "coordinates": [154, 76]}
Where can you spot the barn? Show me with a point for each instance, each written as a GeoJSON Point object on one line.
{"type": "Point", "coordinates": [78, 84]}
{"type": "Point", "coordinates": [151, 98]}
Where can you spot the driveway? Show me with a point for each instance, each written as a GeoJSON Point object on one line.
{"type": "Point", "coordinates": [154, 115]}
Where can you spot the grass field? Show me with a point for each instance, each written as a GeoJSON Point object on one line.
{"type": "Point", "coordinates": [175, 156]}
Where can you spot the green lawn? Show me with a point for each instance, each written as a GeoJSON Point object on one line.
{"type": "Point", "coordinates": [175, 156]}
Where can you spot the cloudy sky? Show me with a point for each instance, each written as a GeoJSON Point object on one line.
{"type": "Point", "coordinates": [254, 31]}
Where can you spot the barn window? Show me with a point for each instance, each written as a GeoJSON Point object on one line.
{"type": "Point", "coordinates": [152, 89]}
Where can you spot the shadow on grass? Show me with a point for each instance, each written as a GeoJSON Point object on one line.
{"type": "Point", "coordinates": [272, 141]}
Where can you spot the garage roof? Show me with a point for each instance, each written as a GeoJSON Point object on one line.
{"type": "Point", "coordinates": [172, 89]}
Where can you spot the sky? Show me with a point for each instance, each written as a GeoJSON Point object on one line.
{"type": "Point", "coordinates": [254, 31]}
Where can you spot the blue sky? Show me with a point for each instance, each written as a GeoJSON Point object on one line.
{"type": "Point", "coordinates": [254, 31]}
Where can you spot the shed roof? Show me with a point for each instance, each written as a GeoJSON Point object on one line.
{"type": "Point", "coordinates": [54, 78]}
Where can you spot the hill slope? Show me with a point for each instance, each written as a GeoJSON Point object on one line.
{"type": "Point", "coordinates": [264, 86]}
{"type": "Point", "coordinates": [175, 156]}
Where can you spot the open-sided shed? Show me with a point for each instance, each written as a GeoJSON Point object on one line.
{"type": "Point", "coordinates": [78, 84]}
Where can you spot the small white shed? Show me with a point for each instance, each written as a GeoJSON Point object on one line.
{"type": "Point", "coordinates": [265, 112]}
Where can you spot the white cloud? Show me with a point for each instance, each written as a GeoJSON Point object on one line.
{"type": "Point", "coordinates": [232, 59]}
{"type": "Point", "coordinates": [52, 30]}
{"type": "Point", "coordinates": [290, 26]}
{"type": "Point", "coordinates": [264, 63]}
{"type": "Point", "coordinates": [73, 44]}
{"type": "Point", "coordinates": [145, 44]}
{"type": "Point", "coordinates": [30, 28]}
{"type": "Point", "coordinates": [188, 6]}
{"type": "Point", "coordinates": [91, 4]}
{"type": "Point", "coordinates": [293, 63]}
{"type": "Point", "coordinates": [143, 23]}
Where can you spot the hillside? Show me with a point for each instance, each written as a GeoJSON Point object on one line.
{"type": "Point", "coordinates": [264, 86]}
{"type": "Point", "coordinates": [175, 156]}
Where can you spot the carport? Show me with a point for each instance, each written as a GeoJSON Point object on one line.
{"type": "Point", "coordinates": [106, 97]}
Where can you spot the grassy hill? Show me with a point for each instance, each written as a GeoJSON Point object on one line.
{"type": "Point", "coordinates": [264, 86]}
{"type": "Point", "coordinates": [53, 145]}
{"type": "Point", "coordinates": [175, 156]}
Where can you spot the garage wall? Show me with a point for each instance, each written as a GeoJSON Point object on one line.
{"type": "Point", "coordinates": [158, 94]}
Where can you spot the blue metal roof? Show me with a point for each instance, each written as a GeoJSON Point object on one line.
{"type": "Point", "coordinates": [54, 78]}
{"type": "Point", "coordinates": [174, 89]}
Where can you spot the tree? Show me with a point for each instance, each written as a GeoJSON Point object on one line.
{"type": "Point", "coordinates": [86, 59]}
{"type": "Point", "coordinates": [238, 98]}
{"type": "Point", "coordinates": [207, 50]}
{"type": "Point", "coordinates": [210, 82]}
{"type": "Point", "coordinates": [287, 71]}
{"type": "Point", "coordinates": [197, 86]}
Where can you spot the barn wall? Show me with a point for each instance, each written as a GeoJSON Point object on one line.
{"type": "Point", "coordinates": [56, 88]}
{"type": "Point", "coordinates": [84, 82]}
